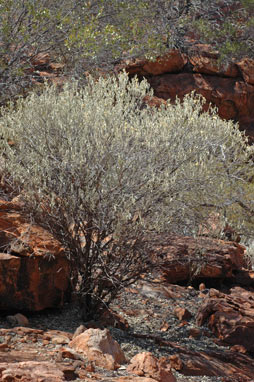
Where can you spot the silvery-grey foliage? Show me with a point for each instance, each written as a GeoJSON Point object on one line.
{"type": "Point", "coordinates": [102, 173]}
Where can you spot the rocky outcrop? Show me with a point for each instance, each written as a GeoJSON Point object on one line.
{"type": "Point", "coordinates": [33, 355]}
{"type": "Point", "coordinates": [236, 366]}
{"type": "Point", "coordinates": [187, 258]}
{"type": "Point", "coordinates": [230, 316]}
{"type": "Point", "coordinates": [233, 97]}
{"type": "Point", "coordinates": [189, 350]}
{"type": "Point", "coordinates": [228, 87]}
{"type": "Point", "coordinates": [34, 271]}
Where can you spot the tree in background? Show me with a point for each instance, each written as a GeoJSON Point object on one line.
{"type": "Point", "coordinates": [98, 33]}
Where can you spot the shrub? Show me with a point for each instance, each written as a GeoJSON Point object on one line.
{"type": "Point", "coordinates": [102, 171]}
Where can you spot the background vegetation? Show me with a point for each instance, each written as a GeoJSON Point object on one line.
{"type": "Point", "coordinates": [85, 35]}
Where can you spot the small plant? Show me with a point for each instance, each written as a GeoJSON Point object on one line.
{"type": "Point", "coordinates": [102, 173]}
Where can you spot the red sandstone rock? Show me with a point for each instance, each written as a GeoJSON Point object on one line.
{"type": "Point", "coordinates": [3, 346]}
{"type": "Point", "coordinates": [10, 205]}
{"type": "Point", "coordinates": [176, 362]}
{"type": "Point", "coordinates": [30, 371]}
{"type": "Point", "coordinates": [183, 258]}
{"type": "Point", "coordinates": [164, 327]}
{"type": "Point", "coordinates": [233, 97]}
{"type": "Point", "coordinates": [230, 317]}
{"type": "Point", "coordinates": [145, 364]}
{"type": "Point", "coordinates": [222, 362]}
{"type": "Point", "coordinates": [60, 340]}
{"type": "Point", "coordinates": [205, 61]}
{"type": "Point", "coordinates": [213, 363]}
{"type": "Point", "coordinates": [69, 353]}
{"type": "Point", "coordinates": [34, 272]}
{"type": "Point", "coordinates": [171, 62]}
{"type": "Point", "coordinates": [182, 313]}
{"type": "Point", "coordinates": [99, 347]}
{"type": "Point", "coordinates": [228, 87]}
{"type": "Point", "coordinates": [246, 65]}
{"type": "Point", "coordinates": [56, 67]}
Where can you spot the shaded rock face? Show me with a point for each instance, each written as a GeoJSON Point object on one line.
{"type": "Point", "coordinates": [230, 317]}
{"type": "Point", "coordinates": [34, 272]}
{"type": "Point", "coordinates": [228, 87]}
{"type": "Point", "coordinates": [187, 258]}
{"type": "Point", "coordinates": [233, 97]}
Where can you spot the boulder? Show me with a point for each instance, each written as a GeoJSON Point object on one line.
{"type": "Point", "coordinates": [172, 62]}
{"type": "Point", "coordinates": [145, 364]}
{"type": "Point", "coordinates": [230, 316]}
{"type": "Point", "coordinates": [186, 258]}
{"type": "Point", "coordinates": [34, 271]}
{"type": "Point", "coordinates": [100, 348]}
